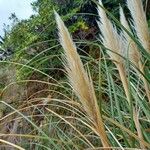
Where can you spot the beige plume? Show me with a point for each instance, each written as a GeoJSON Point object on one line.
{"type": "Point", "coordinates": [140, 22]}
{"type": "Point", "coordinates": [113, 41]}
{"type": "Point", "coordinates": [131, 46]}
{"type": "Point", "coordinates": [80, 82]}
{"type": "Point", "coordinates": [109, 37]}
{"type": "Point", "coordinates": [142, 31]}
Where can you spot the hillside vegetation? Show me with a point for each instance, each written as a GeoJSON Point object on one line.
{"type": "Point", "coordinates": [76, 75]}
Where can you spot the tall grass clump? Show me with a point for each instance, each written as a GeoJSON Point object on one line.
{"type": "Point", "coordinates": [115, 42]}
{"type": "Point", "coordinates": [101, 103]}
{"type": "Point", "coordinates": [121, 47]}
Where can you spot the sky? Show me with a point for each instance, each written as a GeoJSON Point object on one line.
{"type": "Point", "coordinates": [21, 8]}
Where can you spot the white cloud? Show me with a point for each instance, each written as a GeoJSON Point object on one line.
{"type": "Point", "coordinates": [21, 8]}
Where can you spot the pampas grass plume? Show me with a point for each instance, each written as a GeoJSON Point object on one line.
{"type": "Point", "coordinates": [131, 46]}
{"type": "Point", "coordinates": [79, 80]}
{"type": "Point", "coordinates": [140, 22]}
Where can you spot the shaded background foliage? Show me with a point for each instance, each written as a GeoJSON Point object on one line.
{"type": "Point", "coordinates": [25, 39]}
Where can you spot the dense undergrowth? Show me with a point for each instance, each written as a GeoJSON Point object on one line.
{"type": "Point", "coordinates": [101, 102]}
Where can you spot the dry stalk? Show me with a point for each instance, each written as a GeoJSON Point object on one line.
{"type": "Point", "coordinates": [139, 131]}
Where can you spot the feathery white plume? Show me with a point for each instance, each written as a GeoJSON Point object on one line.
{"type": "Point", "coordinates": [140, 22]}
{"type": "Point", "coordinates": [131, 46]}
{"type": "Point", "coordinates": [80, 82]}
{"type": "Point", "coordinates": [110, 38]}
